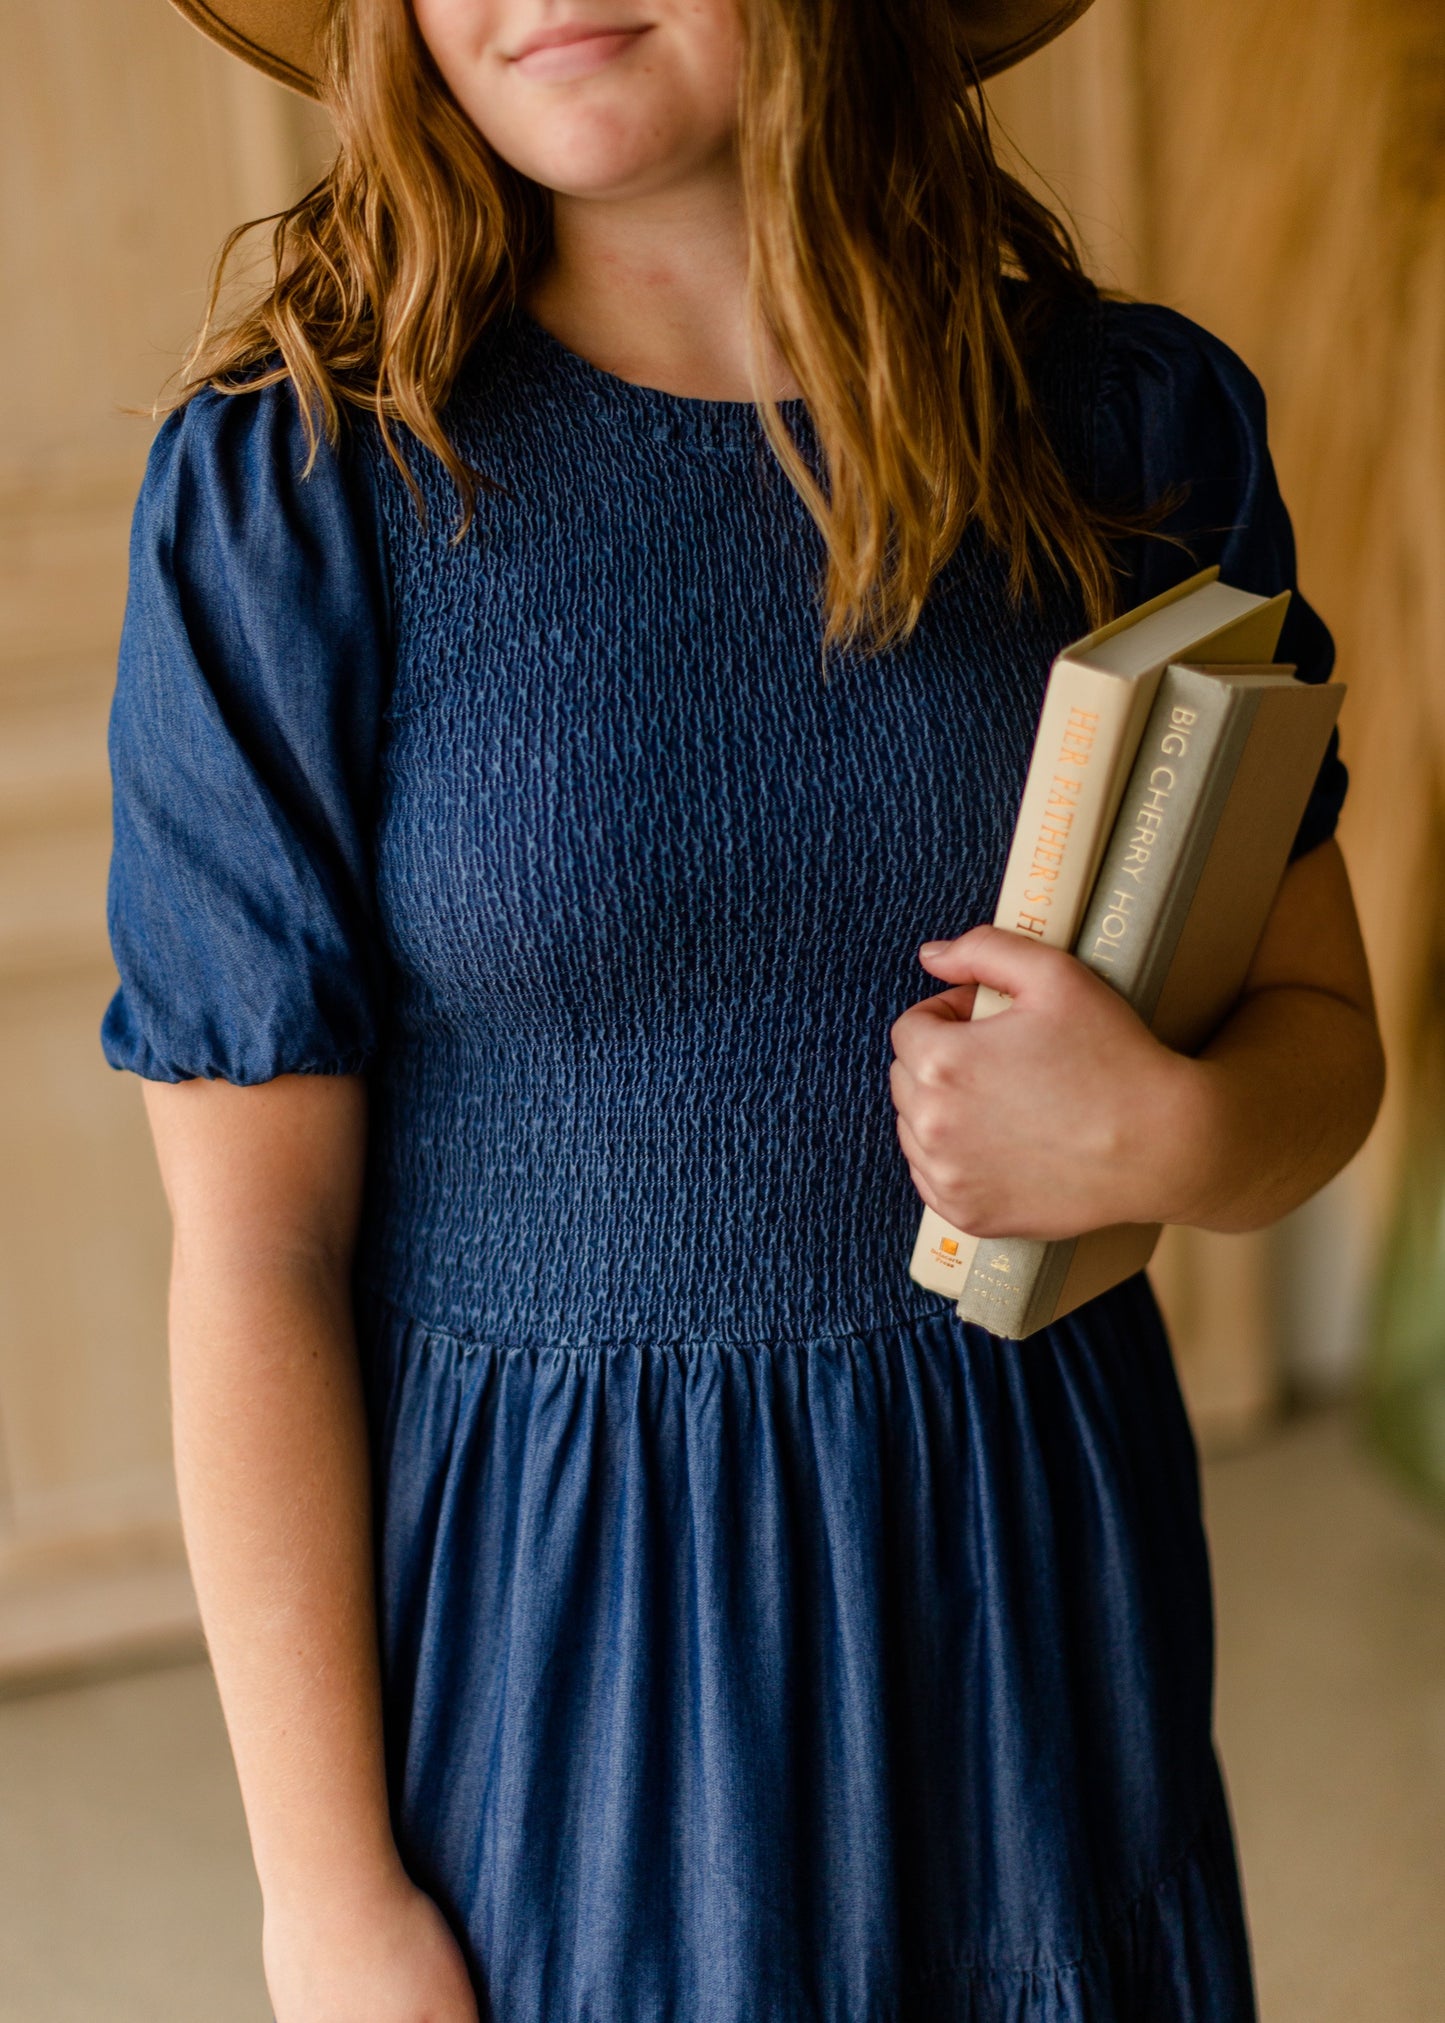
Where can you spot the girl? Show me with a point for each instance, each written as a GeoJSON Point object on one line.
{"type": "Point", "coordinates": [586, 630]}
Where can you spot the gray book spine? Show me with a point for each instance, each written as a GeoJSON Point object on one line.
{"type": "Point", "coordinates": [1187, 759]}
{"type": "Point", "coordinates": [1013, 1284]}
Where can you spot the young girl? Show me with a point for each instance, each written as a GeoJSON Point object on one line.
{"type": "Point", "coordinates": [586, 631]}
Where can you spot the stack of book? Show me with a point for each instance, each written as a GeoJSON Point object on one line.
{"type": "Point", "coordinates": [1171, 769]}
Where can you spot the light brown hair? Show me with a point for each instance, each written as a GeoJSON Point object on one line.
{"type": "Point", "coordinates": [884, 237]}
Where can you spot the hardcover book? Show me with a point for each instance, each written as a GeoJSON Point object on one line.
{"type": "Point", "coordinates": [1191, 869]}
{"type": "Point", "coordinates": [1100, 692]}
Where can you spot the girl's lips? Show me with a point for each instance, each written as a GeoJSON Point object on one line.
{"type": "Point", "coordinates": [579, 56]}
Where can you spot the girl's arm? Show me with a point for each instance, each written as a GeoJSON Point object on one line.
{"type": "Point", "coordinates": [1064, 1114]}
{"type": "Point", "coordinates": [271, 1459]}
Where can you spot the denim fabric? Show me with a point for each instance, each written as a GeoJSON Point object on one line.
{"type": "Point", "coordinates": [760, 1644]}
{"type": "Point", "coordinates": [243, 740]}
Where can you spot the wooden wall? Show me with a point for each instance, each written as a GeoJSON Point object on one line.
{"type": "Point", "coordinates": [1278, 173]}
{"type": "Point", "coordinates": [1273, 170]}
{"type": "Point", "coordinates": [126, 147]}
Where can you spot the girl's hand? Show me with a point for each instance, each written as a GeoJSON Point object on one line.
{"type": "Point", "coordinates": [1059, 1115]}
{"type": "Point", "coordinates": [385, 1956]}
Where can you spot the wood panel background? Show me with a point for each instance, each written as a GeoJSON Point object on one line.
{"type": "Point", "coordinates": [127, 146]}
{"type": "Point", "coordinates": [1277, 172]}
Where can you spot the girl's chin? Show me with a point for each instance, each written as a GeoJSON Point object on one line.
{"type": "Point", "coordinates": [607, 164]}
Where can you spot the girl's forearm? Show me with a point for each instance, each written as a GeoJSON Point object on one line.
{"type": "Point", "coordinates": [1275, 1105]}
{"type": "Point", "coordinates": [272, 1466]}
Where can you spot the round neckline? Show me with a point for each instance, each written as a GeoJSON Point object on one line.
{"type": "Point", "coordinates": [696, 422]}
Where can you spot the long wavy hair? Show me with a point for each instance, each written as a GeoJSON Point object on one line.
{"type": "Point", "coordinates": [886, 245]}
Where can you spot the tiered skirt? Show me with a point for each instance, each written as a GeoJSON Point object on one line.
{"type": "Point", "coordinates": [856, 1680]}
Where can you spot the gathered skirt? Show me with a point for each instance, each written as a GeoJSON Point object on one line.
{"type": "Point", "coordinates": [856, 1680]}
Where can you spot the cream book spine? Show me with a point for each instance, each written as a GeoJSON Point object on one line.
{"type": "Point", "coordinates": [1088, 731]}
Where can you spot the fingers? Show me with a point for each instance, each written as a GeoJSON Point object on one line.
{"type": "Point", "coordinates": [945, 1183]}
{"type": "Point", "coordinates": [915, 1041]}
{"type": "Point", "coordinates": [920, 1165]}
{"type": "Point", "coordinates": [1005, 961]}
{"type": "Point", "coordinates": [936, 1064]}
{"type": "Point", "coordinates": [927, 1129]}
{"type": "Point", "coordinates": [917, 1169]}
{"type": "Point", "coordinates": [930, 1030]}
{"type": "Point", "coordinates": [921, 1157]}
{"type": "Point", "coordinates": [946, 1007]}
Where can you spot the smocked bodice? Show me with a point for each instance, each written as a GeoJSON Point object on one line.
{"type": "Point", "coordinates": [653, 884]}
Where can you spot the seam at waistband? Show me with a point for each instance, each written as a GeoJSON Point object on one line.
{"type": "Point", "coordinates": [474, 1344]}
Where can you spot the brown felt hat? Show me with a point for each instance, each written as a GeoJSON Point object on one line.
{"type": "Point", "coordinates": [281, 36]}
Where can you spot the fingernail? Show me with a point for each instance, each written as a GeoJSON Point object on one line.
{"type": "Point", "coordinates": [932, 947]}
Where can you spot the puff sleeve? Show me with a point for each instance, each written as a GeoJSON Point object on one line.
{"type": "Point", "coordinates": [1179, 408]}
{"type": "Point", "coordinates": [243, 742]}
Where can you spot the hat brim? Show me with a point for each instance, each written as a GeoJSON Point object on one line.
{"type": "Point", "coordinates": [283, 40]}
{"type": "Point", "coordinates": [282, 37]}
{"type": "Point", "coordinates": [999, 33]}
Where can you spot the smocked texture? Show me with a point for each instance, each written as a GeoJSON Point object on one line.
{"type": "Point", "coordinates": [760, 1643]}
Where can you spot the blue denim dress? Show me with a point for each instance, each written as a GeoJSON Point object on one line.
{"type": "Point", "coordinates": [760, 1643]}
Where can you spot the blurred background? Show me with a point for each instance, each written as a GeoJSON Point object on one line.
{"type": "Point", "coordinates": [1276, 172]}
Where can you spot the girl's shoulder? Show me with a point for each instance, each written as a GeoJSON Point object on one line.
{"type": "Point", "coordinates": [1139, 396]}
{"type": "Point", "coordinates": [240, 466]}
{"type": "Point", "coordinates": [1175, 404]}
{"type": "Point", "coordinates": [249, 525]}
{"type": "Point", "coordinates": [1153, 338]}
{"type": "Point", "coordinates": [1182, 426]}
